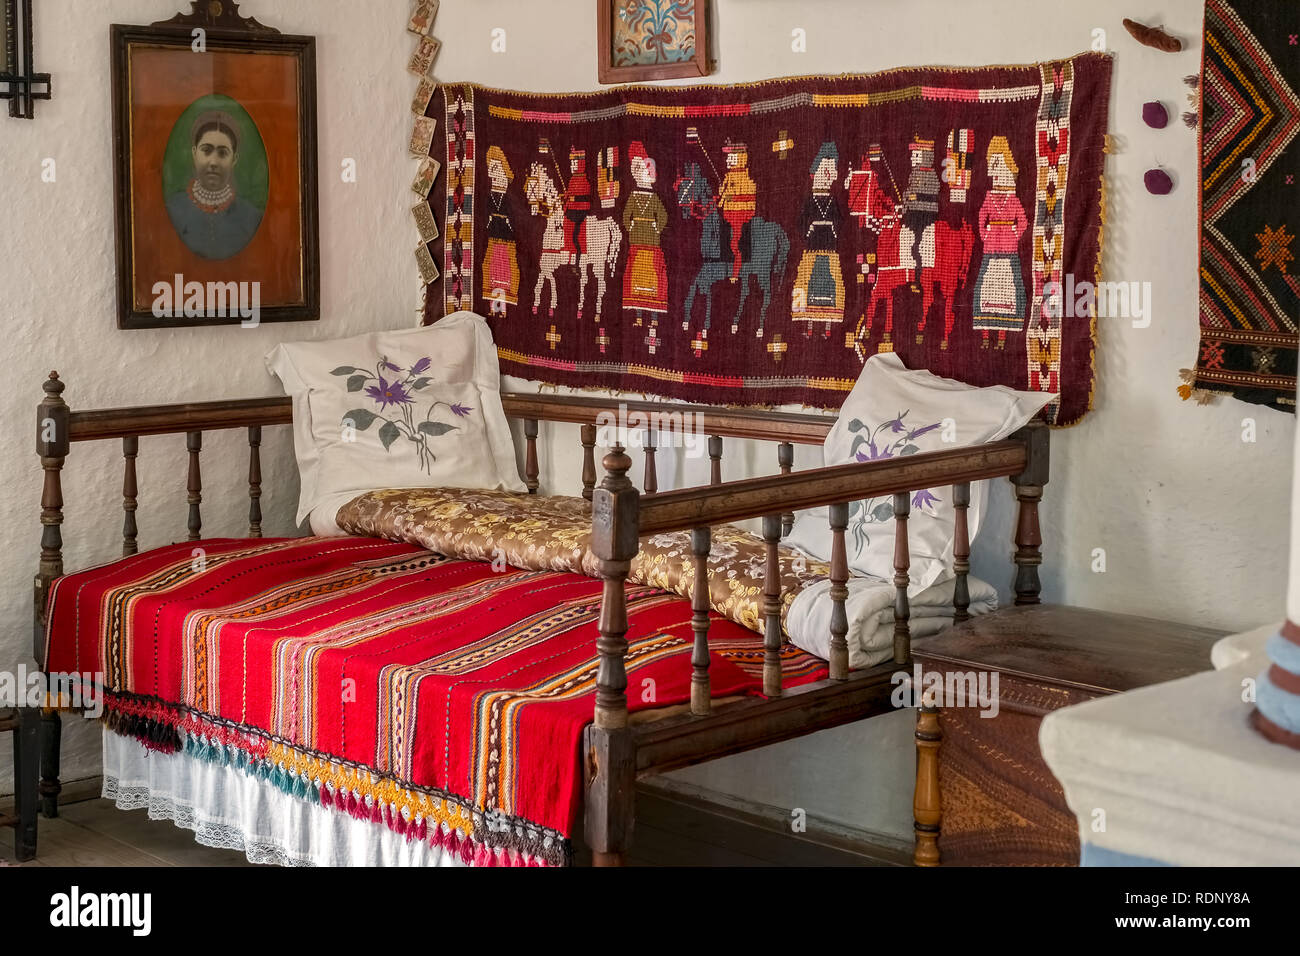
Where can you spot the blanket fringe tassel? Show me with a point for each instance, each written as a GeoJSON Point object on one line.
{"type": "Point", "coordinates": [165, 730]}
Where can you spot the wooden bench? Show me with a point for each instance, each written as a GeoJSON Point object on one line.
{"type": "Point", "coordinates": [983, 794]}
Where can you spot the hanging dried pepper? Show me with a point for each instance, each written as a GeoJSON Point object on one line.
{"type": "Point", "coordinates": [1153, 36]}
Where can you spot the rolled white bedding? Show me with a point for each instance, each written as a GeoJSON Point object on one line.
{"type": "Point", "coordinates": [870, 608]}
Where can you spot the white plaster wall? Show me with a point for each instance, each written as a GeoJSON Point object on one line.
{"type": "Point", "coordinates": [1191, 518]}
{"type": "Point", "coordinates": [57, 300]}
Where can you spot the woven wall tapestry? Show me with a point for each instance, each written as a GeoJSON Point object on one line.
{"type": "Point", "coordinates": [1250, 293]}
{"type": "Point", "coordinates": [754, 244]}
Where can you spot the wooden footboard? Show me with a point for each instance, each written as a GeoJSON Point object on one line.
{"type": "Point", "coordinates": [616, 752]}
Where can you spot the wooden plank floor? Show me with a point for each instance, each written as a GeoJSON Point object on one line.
{"type": "Point", "coordinates": [96, 833]}
{"type": "Point", "coordinates": [670, 831]}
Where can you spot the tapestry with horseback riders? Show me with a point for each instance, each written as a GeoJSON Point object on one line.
{"type": "Point", "coordinates": [753, 244]}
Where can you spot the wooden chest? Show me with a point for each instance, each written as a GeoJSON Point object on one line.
{"type": "Point", "coordinates": [1000, 804]}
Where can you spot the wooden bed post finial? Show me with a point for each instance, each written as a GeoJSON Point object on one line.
{"type": "Point", "coordinates": [52, 443]}
{"type": "Point", "coordinates": [611, 754]}
{"type": "Point", "coordinates": [614, 543]}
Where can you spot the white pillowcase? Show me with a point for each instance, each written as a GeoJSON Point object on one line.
{"type": "Point", "coordinates": [407, 409]}
{"type": "Point", "coordinates": [894, 412]}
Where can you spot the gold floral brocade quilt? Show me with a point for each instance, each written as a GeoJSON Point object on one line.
{"type": "Point", "coordinates": [553, 533]}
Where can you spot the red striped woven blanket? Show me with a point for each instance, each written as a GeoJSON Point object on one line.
{"type": "Point", "coordinates": [431, 695]}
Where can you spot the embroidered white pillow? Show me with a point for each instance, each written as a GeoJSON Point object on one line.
{"type": "Point", "coordinates": [894, 412]}
{"type": "Point", "coordinates": [407, 409]}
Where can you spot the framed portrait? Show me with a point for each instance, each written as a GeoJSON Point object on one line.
{"type": "Point", "coordinates": [640, 40]}
{"type": "Point", "coordinates": [214, 134]}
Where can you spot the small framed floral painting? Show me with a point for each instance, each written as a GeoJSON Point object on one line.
{"type": "Point", "coordinates": [640, 40]}
{"type": "Point", "coordinates": [215, 147]}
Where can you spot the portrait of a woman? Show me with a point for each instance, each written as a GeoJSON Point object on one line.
{"type": "Point", "coordinates": [211, 218]}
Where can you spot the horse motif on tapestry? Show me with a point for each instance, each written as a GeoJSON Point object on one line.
{"type": "Point", "coordinates": [589, 244]}
{"type": "Point", "coordinates": [761, 250]}
{"type": "Point", "coordinates": [820, 219]}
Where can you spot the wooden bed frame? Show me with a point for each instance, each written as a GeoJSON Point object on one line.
{"type": "Point", "coordinates": [616, 751]}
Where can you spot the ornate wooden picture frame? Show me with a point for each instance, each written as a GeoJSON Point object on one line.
{"type": "Point", "coordinates": [641, 40]}
{"type": "Point", "coordinates": [214, 137]}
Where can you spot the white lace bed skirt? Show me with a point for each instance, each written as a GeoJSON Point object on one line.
{"type": "Point", "coordinates": [228, 808]}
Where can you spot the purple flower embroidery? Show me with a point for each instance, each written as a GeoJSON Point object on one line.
{"type": "Point", "coordinates": [863, 514]}
{"type": "Point", "coordinates": [923, 499]}
{"type": "Point", "coordinates": [874, 453]}
{"type": "Point", "coordinates": [389, 393]}
{"type": "Point", "coordinates": [401, 393]}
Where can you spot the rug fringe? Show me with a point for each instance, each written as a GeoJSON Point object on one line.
{"type": "Point", "coordinates": [443, 822]}
{"type": "Point", "coordinates": [1189, 391]}
{"type": "Point", "coordinates": [1192, 118]}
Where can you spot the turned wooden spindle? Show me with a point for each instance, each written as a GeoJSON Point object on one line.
{"type": "Point", "coordinates": [715, 459]}
{"type": "Point", "coordinates": [785, 458]}
{"type": "Point", "coordinates": [130, 495]}
{"type": "Point", "coordinates": [961, 553]}
{"type": "Point", "coordinates": [588, 460]}
{"type": "Point", "coordinates": [52, 443]}
{"type": "Point", "coordinates": [701, 541]}
{"type": "Point", "coordinates": [1029, 492]}
{"type": "Point", "coordinates": [839, 659]}
{"type": "Point", "coordinates": [772, 639]}
{"type": "Point", "coordinates": [254, 481]}
{"type": "Point", "coordinates": [530, 460]}
{"type": "Point", "coordinates": [927, 810]}
{"type": "Point", "coordinates": [611, 753]}
{"type": "Point", "coordinates": [194, 484]}
{"type": "Point", "coordinates": [651, 482]}
{"type": "Point", "coordinates": [902, 562]}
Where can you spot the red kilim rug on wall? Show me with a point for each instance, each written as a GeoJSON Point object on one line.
{"type": "Point", "coordinates": [754, 244]}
